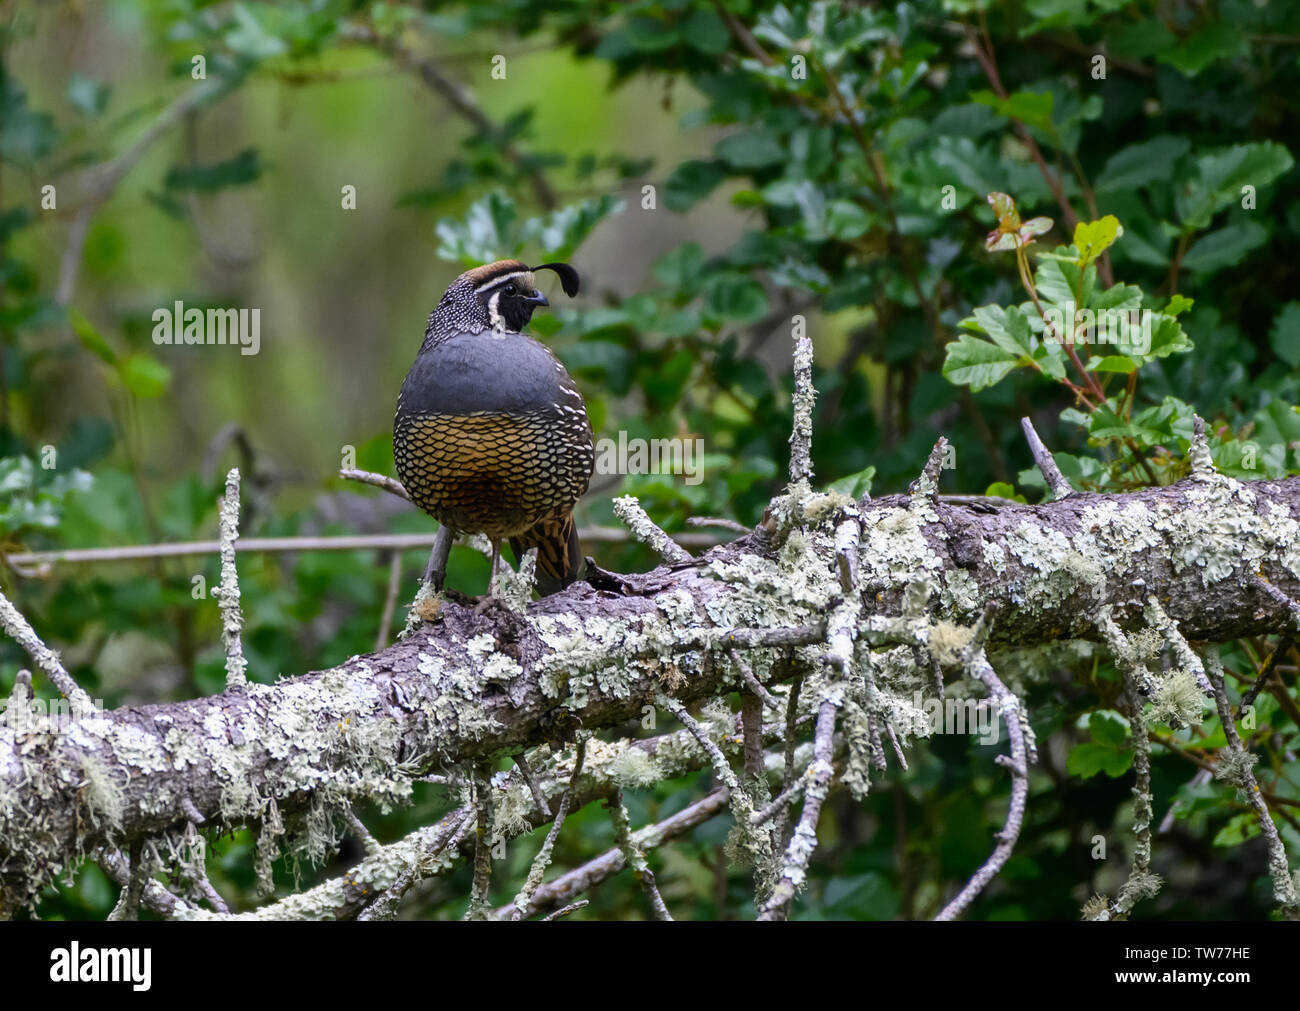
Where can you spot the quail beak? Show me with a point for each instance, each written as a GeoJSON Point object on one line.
{"type": "Point", "coordinates": [537, 299]}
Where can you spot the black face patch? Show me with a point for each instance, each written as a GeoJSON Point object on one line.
{"type": "Point", "coordinates": [511, 305]}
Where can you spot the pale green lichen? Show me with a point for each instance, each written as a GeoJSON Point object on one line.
{"type": "Point", "coordinates": [1178, 700]}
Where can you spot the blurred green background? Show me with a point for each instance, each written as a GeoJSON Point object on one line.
{"type": "Point", "coordinates": [774, 194]}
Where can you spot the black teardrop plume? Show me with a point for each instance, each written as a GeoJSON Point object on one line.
{"type": "Point", "coordinates": [568, 276]}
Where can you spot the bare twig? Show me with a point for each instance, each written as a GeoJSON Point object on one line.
{"type": "Point", "coordinates": [103, 179]}
{"type": "Point", "coordinates": [751, 680]}
{"type": "Point", "coordinates": [460, 98]}
{"type": "Point", "coordinates": [543, 808]}
{"type": "Point", "coordinates": [389, 484]}
{"type": "Point", "coordinates": [390, 600]}
{"type": "Point", "coordinates": [1056, 481]}
{"type": "Point", "coordinates": [248, 545]}
{"type": "Point", "coordinates": [566, 910]}
{"type": "Point", "coordinates": [1266, 672]}
{"type": "Point", "coordinates": [359, 829]}
{"type": "Point", "coordinates": [717, 521]}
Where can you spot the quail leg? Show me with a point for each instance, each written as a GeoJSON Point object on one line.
{"type": "Point", "coordinates": [490, 598]}
{"type": "Point", "coordinates": [436, 571]}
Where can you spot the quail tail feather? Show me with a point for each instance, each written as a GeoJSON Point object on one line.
{"type": "Point", "coordinates": [559, 556]}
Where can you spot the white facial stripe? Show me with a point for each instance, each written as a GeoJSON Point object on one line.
{"type": "Point", "coordinates": [504, 279]}
{"type": "Point", "coordinates": [493, 314]}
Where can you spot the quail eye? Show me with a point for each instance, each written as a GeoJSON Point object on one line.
{"type": "Point", "coordinates": [510, 289]}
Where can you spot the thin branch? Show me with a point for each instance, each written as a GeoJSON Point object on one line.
{"type": "Point", "coordinates": [447, 835]}
{"type": "Point", "coordinates": [227, 594]}
{"type": "Point", "coordinates": [390, 600]}
{"type": "Point", "coordinates": [461, 99]}
{"type": "Point", "coordinates": [543, 858]}
{"type": "Point", "coordinates": [1056, 481]}
{"type": "Point", "coordinates": [566, 910]}
{"type": "Point", "coordinates": [103, 179]}
{"type": "Point", "coordinates": [804, 841]}
{"type": "Point", "coordinates": [751, 680]}
{"type": "Point", "coordinates": [389, 484]}
{"type": "Point", "coordinates": [718, 521]}
{"type": "Point", "coordinates": [18, 629]}
{"type": "Point", "coordinates": [1265, 672]}
{"type": "Point", "coordinates": [612, 861]}
{"type": "Point", "coordinates": [351, 542]}
{"type": "Point", "coordinates": [645, 530]}
{"type": "Point", "coordinates": [478, 896]}
{"type": "Point", "coordinates": [634, 857]}
{"type": "Point", "coordinates": [368, 841]}
{"type": "Point", "coordinates": [1238, 771]}
{"type": "Point", "coordinates": [804, 397]}
{"type": "Point", "coordinates": [539, 798]}
{"type": "Point", "coordinates": [1009, 706]}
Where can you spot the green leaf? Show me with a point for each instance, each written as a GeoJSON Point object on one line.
{"type": "Point", "coordinates": [1095, 237]}
{"type": "Point", "coordinates": [485, 234]}
{"type": "Point", "coordinates": [1029, 107]}
{"type": "Point", "coordinates": [16, 473]}
{"type": "Point", "coordinates": [1007, 328]}
{"type": "Point", "coordinates": [561, 231]}
{"type": "Point", "coordinates": [243, 168]}
{"type": "Point", "coordinates": [1284, 337]}
{"type": "Point", "coordinates": [1238, 829]}
{"type": "Point", "coordinates": [977, 363]}
{"type": "Point", "coordinates": [1107, 752]}
{"type": "Point", "coordinates": [1089, 758]}
{"type": "Point", "coordinates": [847, 220]}
{"type": "Point", "coordinates": [752, 149]}
{"type": "Point", "coordinates": [680, 269]}
{"type": "Point", "coordinates": [1106, 729]}
{"type": "Point", "coordinates": [249, 37]}
{"type": "Point", "coordinates": [1151, 161]}
{"type": "Point", "coordinates": [855, 485]}
{"type": "Point", "coordinates": [736, 297]}
{"type": "Point", "coordinates": [145, 376]}
{"type": "Point", "coordinates": [1225, 248]}
{"type": "Point", "coordinates": [689, 183]}
{"type": "Point", "coordinates": [90, 338]}
{"type": "Point", "coordinates": [704, 30]}
{"type": "Point", "coordinates": [1112, 363]}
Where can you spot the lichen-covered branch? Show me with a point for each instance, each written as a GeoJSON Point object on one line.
{"type": "Point", "coordinates": [232, 618]}
{"type": "Point", "coordinates": [468, 686]}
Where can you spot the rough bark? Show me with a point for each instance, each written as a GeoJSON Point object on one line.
{"type": "Point", "coordinates": [468, 685]}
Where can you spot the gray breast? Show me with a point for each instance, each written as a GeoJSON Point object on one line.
{"type": "Point", "coordinates": [487, 372]}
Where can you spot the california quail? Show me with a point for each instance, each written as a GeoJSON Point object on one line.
{"type": "Point", "coordinates": [491, 435]}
